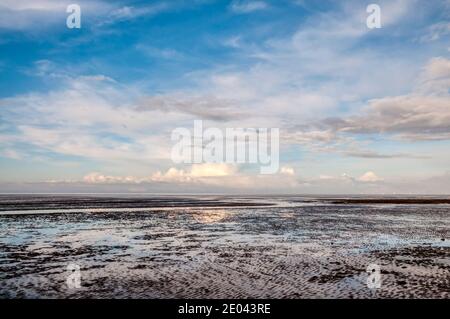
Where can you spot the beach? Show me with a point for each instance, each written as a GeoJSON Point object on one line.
{"type": "Point", "coordinates": [224, 246]}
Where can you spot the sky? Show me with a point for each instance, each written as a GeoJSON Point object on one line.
{"type": "Point", "coordinates": [91, 110]}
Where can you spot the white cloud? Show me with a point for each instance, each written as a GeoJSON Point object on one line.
{"type": "Point", "coordinates": [212, 170]}
{"type": "Point", "coordinates": [42, 5]}
{"type": "Point", "coordinates": [369, 177]}
{"type": "Point", "coordinates": [421, 115]}
{"type": "Point", "coordinates": [91, 117]}
{"type": "Point", "coordinates": [435, 77]}
{"type": "Point", "coordinates": [33, 15]}
{"type": "Point", "coordinates": [269, 184]}
{"type": "Point", "coordinates": [98, 178]}
{"type": "Point", "coordinates": [198, 173]}
{"type": "Point", "coordinates": [129, 12]}
{"type": "Point", "coordinates": [287, 171]}
{"type": "Point", "coordinates": [241, 6]}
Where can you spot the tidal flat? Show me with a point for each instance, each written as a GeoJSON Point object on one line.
{"type": "Point", "coordinates": [223, 246]}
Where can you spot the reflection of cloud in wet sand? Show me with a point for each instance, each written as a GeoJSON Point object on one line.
{"type": "Point", "coordinates": [93, 237]}
{"type": "Point", "coordinates": [210, 216]}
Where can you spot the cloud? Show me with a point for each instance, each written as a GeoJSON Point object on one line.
{"type": "Point", "coordinates": [89, 116]}
{"type": "Point", "coordinates": [168, 54]}
{"type": "Point", "coordinates": [233, 42]}
{"type": "Point", "coordinates": [241, 7]}
{"type": "Point", "coordinates": [212, 170]}
{"type": "Point", "coordinates": [327, 86]}
{"type": "Point", "coordinates": [11, 153]}
{"type": "Point", "coordinates": [38, 5]}
{"type": "Point", "coordinates": [436, 32]}
{"type": "Point", "coordinates": [310, 136]}
{"type": "Point", "coordinates": [347, 181]}
{"type": "Point", "coordinates": [289, 82]}
{"type": "Point", "coordinates": [239, 184]}
{"type": "Point", "coordinates": [97, 178]}
{"type": "Point", "coordinates": [207, 177]}
{"type": "Point", "coordinates": [372, 154]}
{"type": "Point", "coordinates": [197, 173]}
{"type": "Point", "coordinates": [369, 177]}
{"type": "Point", "coordinates": [409, 117]}
{"type": "Point", "coordinates": [435, 77]}
{"type": "Point", "coordinates": [219, 175]}
{"type": "Point", "coordinates": [424, 114]}
{"type": "Point", "coordinates": [126, 13]}
{"type": "Point", "coordinates": [24, 15]}
{"type": "Point", "coordinates": [201, 107]}
{"type": "Point", "coordinates": [287, 171]}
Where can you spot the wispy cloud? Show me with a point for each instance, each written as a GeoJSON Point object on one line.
{"type": "Point", "coordinates": [24, 15]}
{"type": "Point", "coordinates": [243, 6]}
{"type": "Point", "coordinates": [126, 13]}
{"type": "Point", "coordinates": [204, 107]}
{"type": "Point", "coordinates": [35, 15]}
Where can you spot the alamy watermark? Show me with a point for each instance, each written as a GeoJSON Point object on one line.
{"type": "Point", "coordinates": [374, 276]}
{"type": "Point", "coordinates": [231, 146]}
{"type": "Point", "coordinates": [373, 21]}
{"type": "Point", "coordinates": [73, 21]}
{"type": "Point", "coordinates": [73, 280]}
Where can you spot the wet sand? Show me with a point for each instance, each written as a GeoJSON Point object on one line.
{"type": "Point", "coordinates": [413, 201]}
{"type": "Point", "coordinates": [229, 247]}
{"type": "Point", "coordinates": [32, 203]}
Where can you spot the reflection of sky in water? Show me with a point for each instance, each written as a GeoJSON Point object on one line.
{"type": "Point", "coordinates": [161, 243]}
{"type": "Point", "coordinates": [385, 228]}
{"type": "Point", "coordinates": [211, 216]}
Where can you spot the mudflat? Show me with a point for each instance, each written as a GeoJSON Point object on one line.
{"type": "Point", "coordinates": [223, 247]}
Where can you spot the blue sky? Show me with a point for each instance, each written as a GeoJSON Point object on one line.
{"type": "Point", "coordinates": [359, 110]}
